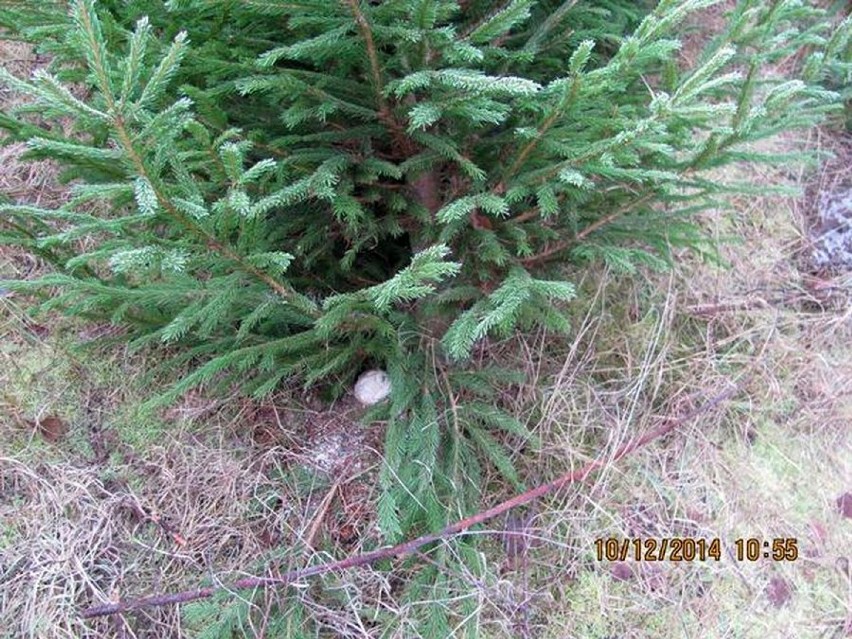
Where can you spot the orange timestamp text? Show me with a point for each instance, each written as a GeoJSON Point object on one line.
{"type": "Point", "coordinates": [691, 549]}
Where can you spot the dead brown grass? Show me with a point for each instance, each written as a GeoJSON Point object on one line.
{"type": "Point", "coordinates": [33, 182]}
{"type": "Point", "coordinates": [771, 464]}
{"type": "Point", "coordinates": [84, 529]}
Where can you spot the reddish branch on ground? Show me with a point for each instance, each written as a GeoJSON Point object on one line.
{"type": "Point", "coordinates": [411, 546]}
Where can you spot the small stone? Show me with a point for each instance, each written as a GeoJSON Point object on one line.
{"type": "Point", "coordinates": [372, 387]}
{"type": "Point", "coordinates": [833, 237]}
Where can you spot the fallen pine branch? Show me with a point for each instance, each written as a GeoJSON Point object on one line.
{"type": "Point", "coordinates": [411, 546]}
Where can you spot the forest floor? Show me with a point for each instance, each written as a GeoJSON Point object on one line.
{"type": "Point", "coordinates": [95, 490]}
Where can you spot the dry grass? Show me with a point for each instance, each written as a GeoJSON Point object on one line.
{"type": "Point", "coordinates": [769, 465]}
{"type": "Point", "coordinates": [33, 182]}
{"type": "Point", "coordinates": [119, 505]}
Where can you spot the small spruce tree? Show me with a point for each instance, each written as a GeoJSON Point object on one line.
{"type": "Point", "coordinates": [299, 190]}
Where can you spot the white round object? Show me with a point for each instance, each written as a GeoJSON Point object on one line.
{"type": "Point", "coordinates": [372, 387]}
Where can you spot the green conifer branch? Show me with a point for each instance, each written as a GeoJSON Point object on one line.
{"type": "Point", "coordinates": [84, 12]}
{"type": "Point", "coordinates": [282, 290]}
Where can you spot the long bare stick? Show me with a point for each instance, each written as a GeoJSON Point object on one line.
{"type": "Point", "coordinates": [411, 546]}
